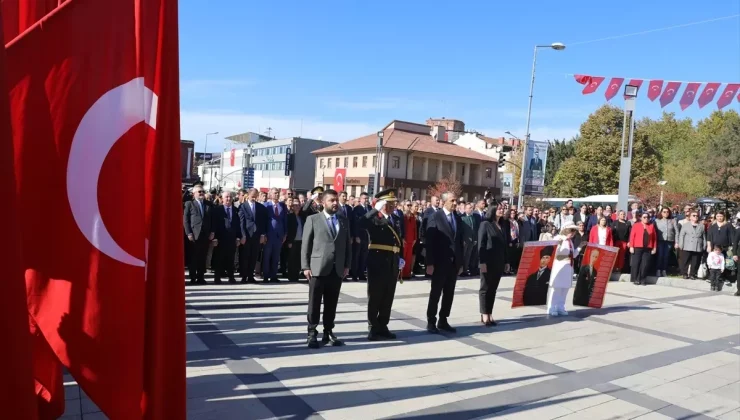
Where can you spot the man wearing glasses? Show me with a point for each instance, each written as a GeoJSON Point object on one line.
{"type": "Point", "coordinates": [197, 222]}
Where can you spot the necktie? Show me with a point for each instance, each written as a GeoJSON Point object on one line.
{"type": "Point", "coordinates": [275, 206]}
{"type": "Point", "coordinates": [330, 222]}
{"type": "Point", "coordinates": [228, 213]}
{"type": "Point", "coordinates": [452, 222]}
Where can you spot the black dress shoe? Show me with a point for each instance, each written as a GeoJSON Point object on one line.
{"type": "Point", "coordinates": [217, 281]}
{"type": "Point", "coordinates": [386, 333]}
{"type": "Point", "coordinates": [251, 280]}
{"type": "Point", "coordinates": [363, 278]}
{"type": "Point", "coordinates": [444, 326]}
{"type": "Point", "coordinates": [275, 280]}
{"type": "Point", "coordinates": [232, 280]}
{"type": "Point", "coordinates": [313, 342]}
{"type": "Point", "coordinates": [432, 328]}
{"type": "Point", "coordinates": [685, 277]}
{"type": "Point", "coordinates": [330, 339]}
{"type": "Point", "coordinates": [374, 336]}
{"type": "Point", "coordinates": [244, 280]}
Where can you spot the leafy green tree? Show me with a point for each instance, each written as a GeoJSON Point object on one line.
{"type": "Point", "coordinates": [558, 152]}
{"type": "Point", "coordinates": [722, 166]}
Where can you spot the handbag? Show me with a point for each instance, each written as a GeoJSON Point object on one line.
{"type": "Point", "coordinates": [703, 271]}
{"type": "Point", "coordinates": [729, 262]}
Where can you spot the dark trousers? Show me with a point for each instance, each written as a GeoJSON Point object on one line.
{"type": "Point", "coordinates": [715, 278]}
{"type": "Point", "coordinates": [271, 257]}
{"type": "Point", "coordinates": [468, 260]}
{"type": "Point", "coordinates": [381, 289]}
{"type": "Point", "coordinates": [515, 253]}
{"type": "Point", "coordinates": [640, 264]}
{"type": "Point", "coordinates": [326, 288]}
{"type": "Point", "coordinates": [294, 261]}
{"type": "Point", "coordinates": [223, 255]}
{"type": "Point", "coordinates": [359, 257]}
{"type": "Point", "coordinates": [689, 258]}
{"type": "Point", "coordinates": [488, 285]}
{"type": "Point", "coordinates": [248, 254]}
{"type": "Point", "coordinates": [284, 256]}
{"type": "Point", "coordinates": [443, 284]}
{"type": "Point", "coordinates": [664, 253]}
{"type": "Point", "coordinates": [197, 261]}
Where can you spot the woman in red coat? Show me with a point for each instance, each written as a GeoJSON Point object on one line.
{"type": "Point", "coordinates": [643, 244]}
{"type": "Point", "coordinates": [602, 233]}
{"type": "Point", "coordinates": [410, 236]}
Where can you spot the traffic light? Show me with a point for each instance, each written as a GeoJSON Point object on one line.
{"type": "Point", "coordinates": [501, 159]}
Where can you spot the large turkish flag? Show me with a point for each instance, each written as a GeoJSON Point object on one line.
{"type": "Point", "coordinates": [17, 390]}
{"type": "Point", "coordinates": [339, 177]}
{"type": "Point", "coordinates": [94, 101]}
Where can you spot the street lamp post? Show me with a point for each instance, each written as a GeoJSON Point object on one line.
{"type": "Point", "coordinates": [625, 152]}
{"type": "Point", "coordinates": [662, 184]}
{"type": "Point", "coordinates": [205, 150]}
{"type": "Point", "coordinates": [557, 46]}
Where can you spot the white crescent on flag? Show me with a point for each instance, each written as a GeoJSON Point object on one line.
{"type": "Point", "coordinates": [107, 120]}
{"type": "Point", "coordinates": [709, 92]}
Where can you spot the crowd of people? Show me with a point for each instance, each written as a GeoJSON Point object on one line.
{"type": "Point", "coordinates": [263, 235]}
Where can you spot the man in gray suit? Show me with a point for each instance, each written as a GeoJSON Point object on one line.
{"type": "Point", "coordinates": [326, 257]}
{"type": "Point", "coordinates": [197, 221]}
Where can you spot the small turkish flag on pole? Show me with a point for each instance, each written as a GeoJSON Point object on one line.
{"type": "Point", "coordinates": [707, 95]}
{"type": "Point", "coordinates": [613, 88]}
{"type": "Point", "coordinates": [669, 93]}
{"type": "Point", "coordinates": [689, 94]}
{"type": "Point", "coordinates": [729, 93]}
{"type": "Point", "coordinates": [17, 388]}
{"type": "Point", "coordinates": [106, 293]}
{"type": "Point", "coordinates": [654, 89]}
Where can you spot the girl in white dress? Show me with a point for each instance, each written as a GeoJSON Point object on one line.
{"type": "Point", "coordinates": [561, 278]}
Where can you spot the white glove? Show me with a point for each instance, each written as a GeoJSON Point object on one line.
{"type": "Point", "coordinates": [380, 205]}
{"type": "Point", "coordinates": [401, 264]}
{"type": "Point", "coordinates": [314, 197]}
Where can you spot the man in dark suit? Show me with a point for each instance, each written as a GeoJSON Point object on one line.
{"type": "Point", "coordinates": [586, 280]}
{"type": "Point", "coordinates": [535, 291]}
{"type": "Point", "coordinates": [384, 259]}
{"type": "Point", "coordinates": [529, 228]}
{"type": "Point", "coordinates": [277, 233]}
{"type": "Point", "coordinates": [425, 213]}
{"type": "Point", "coordinates": [326, 257]}
{"type": "Point", "coordinates": [444, 257]}
{"type": "Point", "coordinates": [253, 224]}
{"type": "Point", "coordinates": [360, 241]}
{"type": "Point", "coordinates": [470, 238]}
{"type": "Point", "coordinates": [535, 164]}
{"type": "Point", "coordinates": [294, 241]}
{"type": "Point", "coordinates": [198, 224]}
{"type": "Point", "coordinates": [229, 236]}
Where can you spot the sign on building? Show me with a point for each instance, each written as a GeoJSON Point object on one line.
{"type": "Point", "coordinates": [507, 180]}
{"type": "Point", "coordinates": [248, 178]}
{"type": "Point", "coordinates": [534, 172]}
{"type": "Point", "coordinates": [288, 161]}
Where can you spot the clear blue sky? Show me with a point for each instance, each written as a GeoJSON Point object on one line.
{"type": "Point", "coordinates": [342, 69]}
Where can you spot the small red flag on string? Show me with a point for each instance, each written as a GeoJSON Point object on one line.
{"type": "Point", "coordinates": [583, 79]}
{"type": "Point", "coordinates": [729, 93]}
{"type": "Point", "coordinates": [635, 82]}
{"type": "Point", "coordinates": [613, 88]}
{"type": "Point", "coordinates": [592, 85]}
{"type": "Point", "coordinates": [654, 89]}
{"type": "Point", "coordinates": [689, 95]}
{"type": "Point", "coordinates": [707, 95]}
{"type": "Point", "coordinates": [669, 93]}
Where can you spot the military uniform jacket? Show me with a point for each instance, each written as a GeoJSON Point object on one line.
{"type": "Point", "coordinates": [383, 231]}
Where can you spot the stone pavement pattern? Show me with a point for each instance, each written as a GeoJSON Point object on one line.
{"type": "Point", "coordinates": [652, 352]}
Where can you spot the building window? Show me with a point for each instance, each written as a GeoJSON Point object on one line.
{"type": "Point", "coordinates": [489, 173]}
{"type": "Point", "coordinates": [395, 162]}
{"type": "Point", "coordinates": [354, 162]}
{"type": "Point", "coordinates": [346, 162]}
{"type": "Point", "coordinates": [337, 163]}
{"type": "Point", "coordinates": [321, 163]}
{"type": "Point", "coordinates": [375, 161]}
{"type": "Point", "coordinates": [364, 161]}
{"type": "Point", "coordinates": [463, 170]}
{"type": "Point", "coordinates": [328, 163]}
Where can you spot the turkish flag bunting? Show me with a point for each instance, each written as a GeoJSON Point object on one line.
{"type": "Point", "coordinates": [105, 285]}
{"type": "Point", "coordinates": [613, 88]}
{"type": "Point", "coordinates": [689, 94]}
{"type": "Point", "coordinates": [707, 95]}
{"type": "Point", "coordinates": [635, 82]}
{"type": "Point", "coordinates": [17, 388]}
{"type": "Point", "coordinates": [669, 93]}
{"type": "Point", "coordinates": [339, 177]}
{"type": "Point", "coordinates": [654, 89]}
{"type": "Point", "coordinates": [593, 84]}
{"type": "Point", "coordinates": [727, 95]}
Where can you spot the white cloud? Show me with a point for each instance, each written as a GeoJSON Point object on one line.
{"type": "Point", "coordinates": [195, 124]}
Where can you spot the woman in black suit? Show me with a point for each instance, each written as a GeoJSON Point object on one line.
{"type": "Point", "coordinates": [493, 245]}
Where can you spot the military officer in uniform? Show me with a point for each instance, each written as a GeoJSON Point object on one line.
{"type": "Point", "coordinates": [312, 205]}
{"type": "Point", "coordinates": [383, 263]}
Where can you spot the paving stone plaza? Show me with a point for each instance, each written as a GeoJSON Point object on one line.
{"type": "Point", "coordinates": [653, 352]}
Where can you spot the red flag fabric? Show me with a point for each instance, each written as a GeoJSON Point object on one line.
{"type": "Point", "coordinates": [635, 82]}
{"type": "Point", "coordinates": [17, 390]}
{"type": "Point", "coordinates": [593, 84]}
{"type": "Point", "coordinates": [20, 15]}
{"type": "Point", "coordinates": [689, 94]}
{"type": "Point", "coordinates": [727, 95]}
{"type": "Point", "coordinates": [583, 79]}
{"type": "Point", "coordinates": [107, 290]}
{"type": "Point", "coordinates": [613, 88]}
{"type": "Point", "coordinates": [654, 89]}
{"type": "Point", "coordinates": [671, 89]}
{"type": "Point", "coordinates": [707, 95]}
{"type": "Point", "coordinates": [339, 177]}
